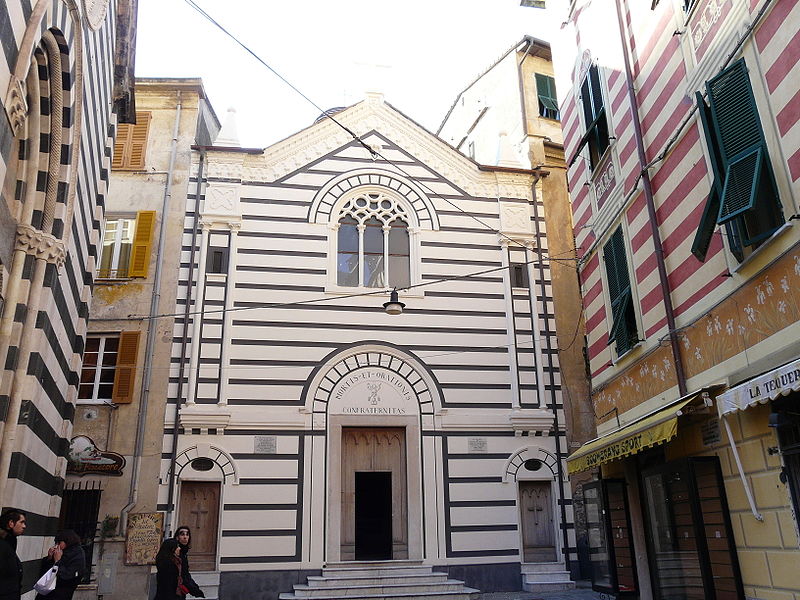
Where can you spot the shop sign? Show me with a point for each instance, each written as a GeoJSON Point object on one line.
{"type": "Point", "coordinates": [761, 389]}
{"type": "Point", "coordinates": [84, 458]}
{"type": "Point", "coordinates": [372, 391]}
{"type": "Point", "coordinates": [143, 538]}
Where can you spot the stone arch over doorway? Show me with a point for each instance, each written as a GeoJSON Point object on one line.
{"type": "Point", "coordinates": [534, 471]}
{"type": "Point", "coordinates": [371, 399]}
{"type": "Point", "coordinates": [407, 380]}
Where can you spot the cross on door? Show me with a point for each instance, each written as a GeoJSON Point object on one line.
{"type": "Point", "coordinates": [197, 512]}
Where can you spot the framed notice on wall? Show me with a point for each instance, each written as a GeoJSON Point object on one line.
{"type": "Point", "coordinates": [143, 538]}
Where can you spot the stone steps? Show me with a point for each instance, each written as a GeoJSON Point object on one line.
{"type": "Point", "coordinates": [380, 580]}
{"type": "Point", "coordinates": [388, 579]}
{"type": "Point", "coordinates": [546, 577]}
{"type": "Point", "coordinates": [208, 582]}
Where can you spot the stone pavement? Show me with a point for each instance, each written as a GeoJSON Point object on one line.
{"type": "Point", "coordinates": [579, 593]}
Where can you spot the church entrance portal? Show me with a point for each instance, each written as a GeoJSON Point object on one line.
{"type": "Point", "coordinates": [374, 494]}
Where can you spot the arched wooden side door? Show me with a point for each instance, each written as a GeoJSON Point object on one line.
{"type": "Point", "coordinates": [199, 510]}
{"type": "Point", "coordinates": [538, 527]}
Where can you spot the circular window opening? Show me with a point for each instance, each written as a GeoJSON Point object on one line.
{"type": "Point", "coordinates": [532, 464]}
{"type": "Point", "coordinates": [202, 464]}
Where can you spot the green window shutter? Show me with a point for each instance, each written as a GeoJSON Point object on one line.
{"type": "Point", "coordinates": [708, 222]}
{"type": "Point", "coordinates": [707, 121]}
{"type": "Point", "coordinates": [619, 291]}
{"type": "Point", "coordinates": [749, 204]}
{"type": "Point", "coordinates": [734, 110]}
{"type": "Point", "coordinates": [546, 92]}
{"type": "Point", "coordinates": [741, 185]}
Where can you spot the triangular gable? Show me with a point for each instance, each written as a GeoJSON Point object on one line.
{"type": "Point", "coordinates": [372, 119]}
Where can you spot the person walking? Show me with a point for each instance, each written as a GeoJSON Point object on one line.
{"type": "Point", "coordinates": [169, 585]}
{"type": "Point", "coordinates": [184, 537]}
{"type": "Point", "coordinates": [12, 525]}
{"type": "Point", "coordinates": [68, 556]}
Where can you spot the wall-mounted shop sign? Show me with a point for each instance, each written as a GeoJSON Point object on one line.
{"type": "Point", "coordinates": [143, 537]}
{"type": "Point", "coordinates": [372, 391]}
{"type": "Point", "coordinates": [85, 458]}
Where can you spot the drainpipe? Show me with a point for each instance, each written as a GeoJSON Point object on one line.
{"type": "Point", "coordinates": [184, 340]}
{"type": "Point", "coordinates": [651, 208]}
{"type": "Point", "coordinates": [155, 300]}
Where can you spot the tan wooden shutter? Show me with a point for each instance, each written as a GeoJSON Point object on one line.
{"type": "Point", "coordinates": [142, 243]}
{"type": "Point", "coordinates": [121, 144]}
{"type": "Point", "coordinates": [138, 144]}
{"type": "Point", "coordinates": [131, 143]}
{"type": "Point", "coordinates": [125, 375]}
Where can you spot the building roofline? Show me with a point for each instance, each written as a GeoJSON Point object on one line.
{"type": "Point", "coordinates": [531, 42]}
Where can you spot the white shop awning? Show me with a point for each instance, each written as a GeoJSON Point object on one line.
{"type": "Point", "coordinates": [761, 389]}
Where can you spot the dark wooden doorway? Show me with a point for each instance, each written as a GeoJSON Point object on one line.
{"type": "Point", "coordinates": [538, 528]}
{"type": "Point", "coordinates": [199, 510]}
{"type": "Point", "coordinates": [374, 489]}
{"type": "Point", "coordinates": [373, 515]}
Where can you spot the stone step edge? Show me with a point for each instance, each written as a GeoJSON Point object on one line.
{"type": "Point", "coordinates": [393, 568]}
{"type": "Point", "coordinates": [300, 586]}
{"type": "Point", "coordinates": [463, 592]}
{"type": "Point", "coordinates": [435, 574]}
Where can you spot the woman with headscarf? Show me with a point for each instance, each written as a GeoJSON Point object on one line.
{"type": "Point", "coordinates": [67, 554]}
{"type": "Point", "coordinates": [184, 538]}
{"type": "Point", "coordinates": [169, 585]}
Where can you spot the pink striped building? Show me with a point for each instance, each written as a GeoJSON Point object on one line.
{"type": "Point", "coordinates": [681, 128]}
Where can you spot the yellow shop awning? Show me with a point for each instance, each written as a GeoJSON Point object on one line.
{"type": "Point", "coordinates": [648, 431]}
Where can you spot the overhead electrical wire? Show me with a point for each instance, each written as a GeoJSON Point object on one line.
{"type": "Point", "coordinates": [373, 152]}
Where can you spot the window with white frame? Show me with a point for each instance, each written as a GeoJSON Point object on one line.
{"type": "Point", "coordinates": [99, 368]}
{"type": "Point", "coordinates": [373, 245]}
{"type": "Point", "coordinates": [117, 245]}
{"type": "Point", "coordinates": [595, 118]}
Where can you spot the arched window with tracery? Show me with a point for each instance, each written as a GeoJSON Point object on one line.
{"type": "Point", "coordinates": [373, 245]}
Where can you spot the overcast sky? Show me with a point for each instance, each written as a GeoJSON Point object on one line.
{"type": "Point", "coordinates": [419, 53]}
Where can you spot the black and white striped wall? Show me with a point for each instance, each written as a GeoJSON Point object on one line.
{"type": "Point", "coordinates": [486, 351]}
{"type": "Point", "coordinates": [55, 148]}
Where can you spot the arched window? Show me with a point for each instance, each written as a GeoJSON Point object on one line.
{"type": "Point", "coordinates": [373, 248]}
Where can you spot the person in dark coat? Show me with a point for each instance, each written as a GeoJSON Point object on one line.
{"type": "Point", "coordinates": [168, 571]}
{"type": "Point", "coordinates": [184, 537]}
{"type": "Point", "coordinates": [12, 525]}
{"type": "Point", "coordinates": [68, 556]}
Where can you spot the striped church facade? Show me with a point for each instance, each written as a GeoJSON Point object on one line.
{"type": "Point", "coordinates": [57, 91]}
{"type": "Point", "coordinates": [291, 384]}
{"type": "Point", "coordinates": [682, 136]}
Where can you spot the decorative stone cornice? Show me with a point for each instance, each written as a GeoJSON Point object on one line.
{"type": "Point", "coordinates": [300, 149]}
{"type": "Point", "coordinates": [16, 105]}
{"type": "Point", "coordinates": [225, 165]}
{"type": "Point", "coordinates": [204, 417]}
{"type": "Point", "coordinates": [41, 245]}
{"type": "Point", "coordinates": [531, 419]}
